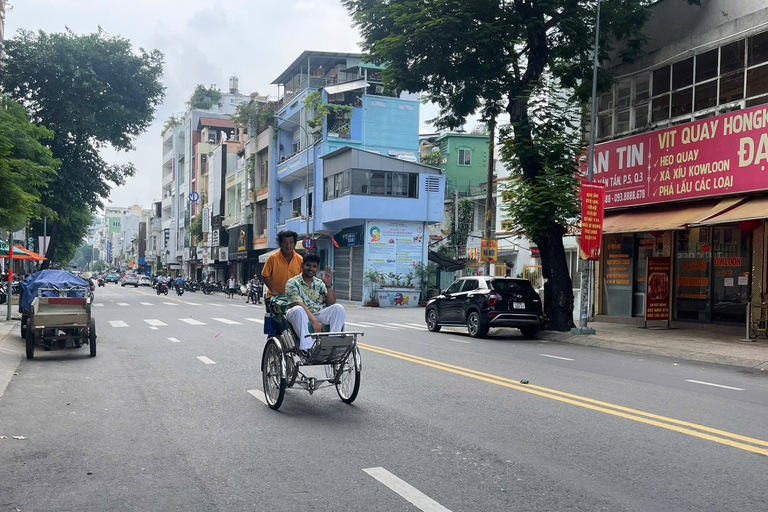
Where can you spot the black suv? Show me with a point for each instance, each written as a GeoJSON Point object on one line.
{"type": "Point", "coordinates": [482, 302]}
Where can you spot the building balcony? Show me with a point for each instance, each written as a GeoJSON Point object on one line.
{"type": "Point", "coordinates": [262, 194]}
{"type": "Point", "coordinates": [167, 202]}
{"type": "Point", "coordinates": [168, 156]}
{"type": "Point", "coordinates": [168, 224]}
{"type": "Point", "coordinates": [293, 167]}
{"type": "Point", "coordinates": [347, 207]}
{"type": "Point", "coordinates": [167, 180]}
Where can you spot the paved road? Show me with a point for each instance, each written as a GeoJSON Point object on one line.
{"type": "Point", "coordinates": [169, 416]}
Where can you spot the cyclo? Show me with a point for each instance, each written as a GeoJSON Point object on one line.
{"type": "Point", "coordinates": [281, 361]}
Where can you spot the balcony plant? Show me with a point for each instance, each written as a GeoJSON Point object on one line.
{"type": "Point", "coordinates": [373, 277]}
{"type": "Point", "coordinates": [423, 274]}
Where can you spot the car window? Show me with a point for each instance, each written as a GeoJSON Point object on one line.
{"type": "Point", "coordinates": [509, 286]}
{"type": "Point", "coordinates": [469, 285]}
{"type": "Point", "coordinates": [454, 288]}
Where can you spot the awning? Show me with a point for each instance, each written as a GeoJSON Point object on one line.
{"type": "Point", "coordinates": [447, 263]}
{"type": "Point", "coordinates": [263, 257]}
{"type": "Point", "coordinates": [750, 210]}
{"type": "Point", "coordinates": [20, 253]}
{"type": "Point", "coordinates": [347, 86]}
{"type": "Point", "coordinates": [507, 253]}
{"type": "Point", "coordinates": [666, 218]}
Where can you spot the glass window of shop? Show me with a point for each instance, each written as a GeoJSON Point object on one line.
{"type": "Point", "coordinates": [624, 278]}
{"type": "Point", "coordinates": [712, 274]}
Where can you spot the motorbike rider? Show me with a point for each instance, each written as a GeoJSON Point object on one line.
{"type": "Point", "coordinates": [179, 283]}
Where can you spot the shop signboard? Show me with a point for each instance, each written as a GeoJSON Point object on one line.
{"type": "Point", "coordinates": [394, 248]}
{"type": "Point", "coordinates": [592, 205]}
{"type": "Point", "coordinates": [488, 250]}
{"type": "Point", "coordinates": [240, 238]}
{"type": "Point", "coordinates": [716, 156]}
{"type": "Point", "coordinates": [658, 279]}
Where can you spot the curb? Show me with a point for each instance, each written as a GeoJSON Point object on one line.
{"type": "Point", "coordinates": [11, 352]}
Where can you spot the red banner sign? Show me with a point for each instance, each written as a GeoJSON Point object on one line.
{"type": "Point", "coordinates": [657, 292]}
{"type": "Point", "coordinates": [720, 155]}
{"type": "Point", "coordinates": [592, 203]}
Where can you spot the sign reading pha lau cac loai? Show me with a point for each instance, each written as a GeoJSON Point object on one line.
{"type": "Point", "coordinates": [720, 155]}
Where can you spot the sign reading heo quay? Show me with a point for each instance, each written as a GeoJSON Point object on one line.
{"type": "Point", "coordinates": [717, 156]}
{"type": "Point", "coordinates": [592, 203]}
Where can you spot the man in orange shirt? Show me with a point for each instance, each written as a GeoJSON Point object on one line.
{"type": "Point", "coordinates": [283, 264]}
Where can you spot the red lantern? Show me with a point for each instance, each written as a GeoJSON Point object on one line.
{"type": "Point", "coordinates": [749, 225]}
{"type": "Point", "coordinates": [657, 234]}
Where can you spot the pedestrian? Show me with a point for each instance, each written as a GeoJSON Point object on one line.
{"type": "Point", "coordinates": [232, 286]}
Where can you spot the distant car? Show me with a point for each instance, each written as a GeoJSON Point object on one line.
{"type": "Point", "coordinates": [482, 302]}
{"type": "Point", "coordinates": [145, 281]}
{"type": "Point", "coordinates": [112, 278]}
{"type": "Point", "coordinates": [131, 279]}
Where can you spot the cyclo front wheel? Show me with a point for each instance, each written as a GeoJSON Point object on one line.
{"type": "Point", "coordinates": [349, 380]}
{"type": "Point", "coordinates": [274, 382]}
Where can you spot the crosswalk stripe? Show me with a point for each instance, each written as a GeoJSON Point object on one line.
{"type": "Point", "coordinates": [170, 303]}
{"type": "Point", "coordinates": [123, 304]}
{"type": "Point", "coordinates": [421, 328]}
{"type": "Point", "coordinates": [117, 323]}
{"type": "Point", "coordinates": [257, 320]}
{"type": "Point", "coordinates": [192, 321]}
{"type": "Point", "coordinates": [97, 305]}
{"type": "Point", "coordinates": [368, 324]}
{"type": "Point", "coordinates": [415, 325]}
{"type": "Point", "coordinates": [356, 325]}
{"type": "Point", "coordinates": [259, 395]}
{"type": "Point", "coordinates": [217, 305]}
{"type": "Point", "coordinates": [193, 303]}
{"type": "Point", "coordinates": [155, 322]}
{"type": "Point", "coordinates": [227, 321]}
{"type": "Point", "coordinates": [205, 360]}
{"type": "Point", "coordinates": [154, 328]}
{"type": "Point", "coordinates": [239, 305]}
{"type": "Point", "coordinates": [174, 340]}
{"type": "Point", "coordinates": [145, 303]}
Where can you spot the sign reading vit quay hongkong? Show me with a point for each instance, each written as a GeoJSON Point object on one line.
{"type": "Point", "coordinates": [394, 247]}
{"type": "Point", "coordinates": [716, 156]}
{"type": "Point", "coordinates": [658, 281]}
{"type": "Point", "coordinates": [592, 202]}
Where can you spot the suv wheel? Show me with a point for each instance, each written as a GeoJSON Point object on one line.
{"type": "Point", "coordinates": [432, 325]}
{"type": "Point", "coordinates": [475, 326]}
{"type": "Point", "coordinates": [530, 331]}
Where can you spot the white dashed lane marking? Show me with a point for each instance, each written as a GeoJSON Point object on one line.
{"type": "Point", "coordinates": [174, 340]}
{"type": "Point", "coordinates": [715, 385]}
{"type": "Point", "coordinates": [259, 395]}
{"type": "Point", "coordinates": [117, 323]}
{"type": "Point", "coordinates": [170, 303]}
{"type": "Point", "coordinates": [257, 320]}
{"type": "Point", "coordinates": [205, 360]}
{"type": "Point", "coordinates": [98, 305]}
{"type": "Point", "coordinates": [145, 303]}
{"type": "Point", "coordinates": [155, 323]}
{"type": "Point", "coordinates": [227, 321]}
{"type": "Point", "coordinates": [193, 303]}
{"type": "Point", "coordinates": [556, 357]}
{"type": "Point", "coordinates": [406, 490]}
{"type": "Point", "coordinates": [420, 326]}
{"type": "Point", "coordinates": [192, 321]}
{"type": "Point", "coordinates": [460, 341]}
{"type": "Point", "coordinates": [154, 328]}
{"type": "Point", "coordinates": [123, 304]}
{"type": "Point", "coordinates": [407, 326]}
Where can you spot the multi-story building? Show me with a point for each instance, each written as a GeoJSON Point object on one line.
{"type": "Point", "coordinates": [682, 151]}
{"type": "Point", "coordinates": [345, 173]}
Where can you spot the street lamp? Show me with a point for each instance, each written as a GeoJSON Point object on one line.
{"type": "Point", "coordinates": [587, 266]}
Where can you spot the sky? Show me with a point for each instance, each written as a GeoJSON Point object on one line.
{"type": "Point", "coordinates": [204, 42]}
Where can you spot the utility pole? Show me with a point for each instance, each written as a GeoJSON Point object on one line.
{"type": "Point", "coordinates": [587, 265]}
{"type": "Point", "coordinates": [456, 222]}
{"type": "Point", "coordinates": [9, 296]}
{"type": "Point", "coordinates": [489, 191]}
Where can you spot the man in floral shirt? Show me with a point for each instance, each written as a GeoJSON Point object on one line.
{"type": "Point", "coordinates": [313, 300]}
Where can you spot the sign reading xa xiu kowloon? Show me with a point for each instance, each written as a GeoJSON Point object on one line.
{"type": "Point", "coordinates": [716, 156]}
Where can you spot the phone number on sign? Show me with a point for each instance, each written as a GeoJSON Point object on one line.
{"type": "Point", "coordinates": [629, 195]}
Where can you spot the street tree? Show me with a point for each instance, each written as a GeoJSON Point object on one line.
{"type": "Point", "coordinates": [490, 57]}
{"type": "Point", "coordinates": [26, 165]}
{"type": "Point", "coordinates": [92, 91]}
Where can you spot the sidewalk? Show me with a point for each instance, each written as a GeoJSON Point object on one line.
{"type": "Point", "coordinates": [688, 344]}
{"type": "Point", "coordinates": [11, 350]}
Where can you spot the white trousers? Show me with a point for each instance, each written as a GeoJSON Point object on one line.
{"type": "Point", "coordinates": [333, 315]}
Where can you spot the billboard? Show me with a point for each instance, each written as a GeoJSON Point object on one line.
{"type": "Point", "coordinates": [717, 156]}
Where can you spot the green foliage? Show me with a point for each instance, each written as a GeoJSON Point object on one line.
{"type": "Point", "coordinates": [26, 166]}
{"type": "Point", "coordinates": [374, 278]}
{"type": "Point", "coordinates": [434, 158]}
{"type": "Point", "coordinates": [92, 91]}
{"type": "Point", "coordinates": [320, 111]}
{"type": "Point", "coordinates": [460, 228]}
{"type": "Point", "coordinates": [203, 98]}
{"type": "Point", "coordinates": [196, 229]}
{"type": "Point", "coordinates": [424, 274]}
{"type": "Point", "coordinates": [171, 122]}
{"type": "Point", "coordinates": [254, 115]}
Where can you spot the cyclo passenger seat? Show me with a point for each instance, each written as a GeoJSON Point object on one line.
{"type": "Point", "coordinates": [276, 323]}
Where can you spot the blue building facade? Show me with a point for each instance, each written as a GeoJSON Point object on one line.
{"type": "Point", "coordinates": [356, 165]}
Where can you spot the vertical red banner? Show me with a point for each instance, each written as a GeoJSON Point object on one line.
{"type": "Point", "coordinates": [658, 279]}
{"type": "Point", "coordinates": [592, 205]}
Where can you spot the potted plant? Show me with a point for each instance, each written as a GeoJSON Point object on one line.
{"type": "Point", "coordinates": [373, 277]}
{"type": "Point", "coordinates": [423, 274]}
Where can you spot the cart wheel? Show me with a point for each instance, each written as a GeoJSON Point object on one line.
{"type": "Point", "coordinates": [24, 327]}
{"type": "Point", "coordinates": [92, 336]}
{"type": "Point", "coordinates": [274, 383]}
{"type": "Point", "coordinates": [291, 371]}
{"type": "Point", "coordinates": [349, 382]}
{"type": "Point", "coordinates": [30, 337]}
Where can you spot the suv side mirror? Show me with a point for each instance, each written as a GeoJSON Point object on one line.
{"type": "Point", "coordinates": [444, 292]}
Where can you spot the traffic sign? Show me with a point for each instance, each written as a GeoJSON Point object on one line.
{"type": "Point", "coordinates": [307, 243]}
{"type": "Point", "coordinates": [193, 197]}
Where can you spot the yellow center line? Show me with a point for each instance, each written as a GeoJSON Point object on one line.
{"type": "Point", "coordinates": [588, 403]}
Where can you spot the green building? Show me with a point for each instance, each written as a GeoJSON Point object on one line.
{"type": "Point", "coordinates": [465, 161]}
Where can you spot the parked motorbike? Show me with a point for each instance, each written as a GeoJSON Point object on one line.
{"type": "Point", "coordinates": [244, 289]}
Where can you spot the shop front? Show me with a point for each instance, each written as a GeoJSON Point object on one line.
{"type": "Point", "coordinates": [240, 241]}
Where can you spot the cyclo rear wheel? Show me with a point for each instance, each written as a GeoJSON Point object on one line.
{"type": "Point", "coordinates": [349, 381]}
{"type": "Point", "coordinates": [274, 382]}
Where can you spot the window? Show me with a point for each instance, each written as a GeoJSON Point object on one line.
{"type": "Point", "coordinates": [465, 156]}
{"type": "Point", "coordinates": [309, 204]}
{"type": "Point", "coordinates": [732, 57]}
{"type": "Point", "coordinates": [469, 285]}
{"type": "Point", "coordinates": [706, 66]}
{"type": "Point", "coordinates": [264, 172]}
{"type": "Point", "coordinates": [400, 184]}
{"type": "Point", "coordinates": [296, 207]}
{"type": "Point", "coordinates": [682, 73]}
{"type": "Point", "coordinates": [336, 186]}
{"type": "Point", "coordinates": [661, 80]}
{"type": "Point", "coordinates": [758, 49]}
{"type": "Point", "coordinates": [454, 288]}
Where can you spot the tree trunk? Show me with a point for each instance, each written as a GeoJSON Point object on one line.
{"type": "Point", "coordinates": [558, 291]}
{"type": "Point", "coordinates": [51, 245]}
